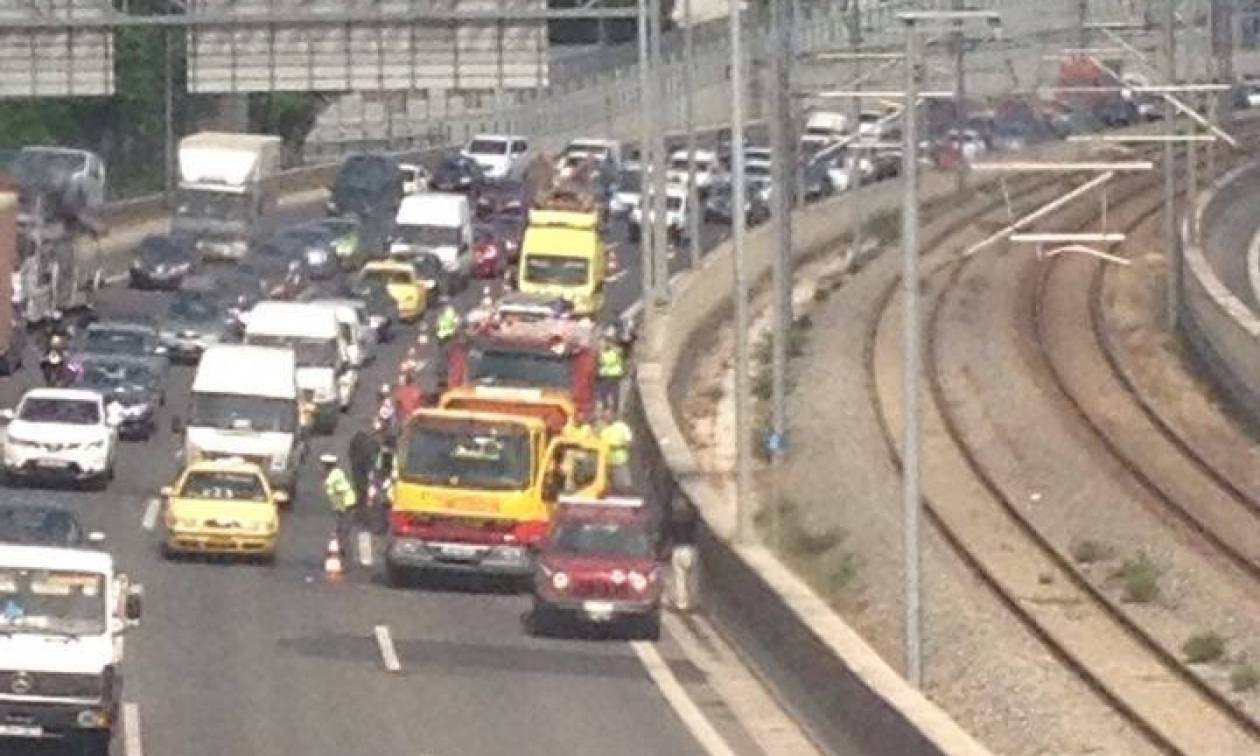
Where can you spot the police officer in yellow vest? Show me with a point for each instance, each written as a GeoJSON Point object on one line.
{"type": "Point", "coordinates": [612, 368]}
{"type": "Point", "coordinates": [617, 436]}
{"type": "Point", "coordinates": [340, 494]}
{"type": "Point", "coordinates": [447, 324]}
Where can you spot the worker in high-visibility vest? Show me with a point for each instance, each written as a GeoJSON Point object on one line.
{"type": "Point", "coordinates": [340, 494]}
{"type": "Point", "coordinates": [617, 437]}
{"type": "Point", "coordinates": [447, 324]}
{"type": "Point", "coordinates": [612, 368]}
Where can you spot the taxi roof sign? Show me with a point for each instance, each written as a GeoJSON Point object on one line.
{"type": "Point", "coordinates": [621, 502]}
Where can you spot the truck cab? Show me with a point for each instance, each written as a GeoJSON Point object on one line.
{"type": "Point", "coordinates": [553, 355]}
{"type": "Point", "coordinates": [562, 255]}
{"type": "Point", "coordinates": [474, 492]}
{"type": "Point", "coordinates": [440, 224]}
{"type": "Point", "coordinates": [226, 190]}
{"type": "Point", "coordinates": [63, 613]}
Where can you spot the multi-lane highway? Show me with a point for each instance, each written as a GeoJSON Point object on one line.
{"type": "Point", "coordinates": [250, 659]}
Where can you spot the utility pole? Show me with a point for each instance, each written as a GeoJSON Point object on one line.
{"type": "Point", "coordinates": [854, 157]}
{"type": "Point", "coordinates": [647, 114]}
{"type": "Point", "coordinates": [743, 456]}
{"type": "Point", "coordinates": [693, 196]}
{"type": "Point", "coordinates": [168, 114]}
{"type": "Point", "coordinates": [958, 41]}
{"type": "Point", "coordinates": [1221, 23]}
{"type": "Point", "coordinates": [660, 240]}
{"type": "Point", "coordinates": [782, 187]}
{"type": "Point", "coordinates": [1172, 251]}
{"type": "Point", "coordinates": [1082, 19]}
{"type": "Point", "coordinates": [910, 376]}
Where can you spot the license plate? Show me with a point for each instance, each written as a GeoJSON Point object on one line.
{"type": "Point", "coordinates": [598, 610]}
{"type": "Point", "coordinates": [21, 731]}
{"type": "Point", "coordinates": [54, 464]}
{"type": "Point", "coordinates": [459, 551]}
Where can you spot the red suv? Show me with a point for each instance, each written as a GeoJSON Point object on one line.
{"type": "Point", "coordinates": [601, 564]}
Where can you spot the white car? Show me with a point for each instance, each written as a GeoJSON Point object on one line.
{"type": "Point", "coordinates": [500, 156]}
{"type": "Point", "coordinates": [676, 213]}
{"type": "Point", "coordinates": [601, 149]}
{"type": "Point", "coordinates": [626, 197]}
{"type": "Point", "coordinates": [65, 434]}
{"type": "Point", "coordinates": [706, 169]}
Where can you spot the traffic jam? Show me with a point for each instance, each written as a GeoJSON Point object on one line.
{"type": "Point", "coordinates": [452, 314]}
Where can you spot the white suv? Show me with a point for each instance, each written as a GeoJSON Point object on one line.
{"type": "Point", "coordinates": [63, 434]}
{"type": "Point", "coordinates": [500, 157]}
{"type": "Point", "coordinates": [706, 169]}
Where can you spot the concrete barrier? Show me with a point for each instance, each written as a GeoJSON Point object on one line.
{"type": "Point", "coordinates": [1221, 331]}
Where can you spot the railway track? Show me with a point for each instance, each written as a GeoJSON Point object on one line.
{"type": "Point", "coordinates": [1097, 640]}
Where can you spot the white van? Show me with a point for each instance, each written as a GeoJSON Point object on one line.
{"type": "Point", "coordinates": [66, 613]}
{"type": "Point", "coordinates": [823, 129]}
{"type": "Point", "coordinates": [325, 375]}
{"type": "Point", "coordinates": [355, 331]}
{"type": "Point", "coordinates": [439, 223]}
{"type": "Point", "coordinates": [245, 404]}
{"type": "Point", "coordinates": [501, 156]}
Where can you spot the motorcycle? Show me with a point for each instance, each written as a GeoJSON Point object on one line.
{"type": "Point", "coordinates": [56, 369]}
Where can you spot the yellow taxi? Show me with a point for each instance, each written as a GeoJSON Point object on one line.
{"type": "Point", "coordinates": [405, 287]}
{"type": "Point", "coordinates": [222, 506]}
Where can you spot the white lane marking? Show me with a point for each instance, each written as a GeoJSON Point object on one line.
{"type": "Point", "coordinates": [385, 644]}
{"type": "Point", "coordinates": [695, 721]}
{"type": "Point", "coordinates": [365, 548]}
{"type": "Point", "coordinates": [132, 743]}
{"type": "Point", "coordinates": [151, 511]}
{"type": "Point", "coordinates": [1253, 265]}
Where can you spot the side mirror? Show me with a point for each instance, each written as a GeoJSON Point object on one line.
{"type": "Point", "coordinates": [133, 606]}
{"type": "Point", "coordinates": [177, 424]}
{"type": "Point", "coordinates": [7, 415]}
{"type": "Point", "coordinates": [281, 497]}
{"type": "Point", "coordinates": [96, 537]}
{"type": "Point", "coordinates": [167, 492]}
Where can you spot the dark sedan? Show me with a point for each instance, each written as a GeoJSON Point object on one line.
{"type": "Point", "coordinates": [163, 261]}
{"type": "Point", "coordinates": [132, 391]}
{"type": "Point", "coordinates": [42, 518]}
{"type": "Point", "coordinates": [313, 244]}
{"type": "Point", "coordinates": [460, 174]}
{"type": "Point", "coordinates": [195, 319]}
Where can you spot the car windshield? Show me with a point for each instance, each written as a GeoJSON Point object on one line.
{"type": "Point", "coordinates": [308, 352]}
{"type": "Point", "coordinates": [39, 526]}
{"type": "Point", "coordinates": [593, 148]}
{"type": "Point", "coordinates": [44, 167]}
{"type": "Point", "coordinates": [428, 236]}
{"type": "Point", "coordinates": [534, 369]}
{"type": "Point", "coordinates": [601, 538]}
{"type": "Point", "coordinates": [161, 249]}
{"type": "Point", "coordinates": [57, 601]}
{"type": "Point", "coordinates": [223, 485]}
{"type": "Point", "coordinates": [219, 206]}
{"type": "Point", "coordinates": [467, 456]}
{"type": "Point", "coordinates": [115, 341]}
{"type": "Point", "coordinates": [557, 269]}
{"type": "Point", "coordinates": [339, 229]}
{"type": "Point", "coordinates": [386, 276]}
{"type": "Point", "coordinates": [757, 170]}
{"type": "Point", "coordinates": [488, 147]}
{"type": "Point", "coordinates": [365, 173]}
{"type": "Point", "coordinates": [38, 409]}
{"type": "Point", "coordinates": [110, 375]}
{"type": "Point", "coordinates": [193, 308]}
{"type": "Point", "coordinates": [673, 203]}
{"type": "Point", "coordinates": [239, 412]}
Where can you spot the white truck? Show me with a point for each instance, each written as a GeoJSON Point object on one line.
{"type": "Point", "coordinates": [823, 129]}
{"type": "Point", "coordinates": [245, 404]}
{"type": "Point", "coordinates": [326, 376]}
{"type": "Point", "coordinates": [226, 190]}
{"type": "Point", "coordinates": [63, 613]}
{"type": "Point", "coordinates": [438, 223]}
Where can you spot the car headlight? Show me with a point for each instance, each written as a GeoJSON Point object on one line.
{"type": "Point", "coordinates": [638, 581]}
{"type": "Point", "coordinates": [316, 256]}
{"type": "Point", "coordinates": [95, 445]}
{"type": "Point", "coordinates": [278, 462]}
{"type": "Point", "coordinates": [173, 521]}
{"type": "Point", "coordinates": [560, 581]}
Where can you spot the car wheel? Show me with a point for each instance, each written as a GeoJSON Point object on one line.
{"type": "Point", "coordinates": [396, 576]}
{"type": "Point", "coordinates": [92, 744]}
{"type": "Point", "coordinates": [7, 366]}
{"type": "Point", "coordinates": [539, 622]}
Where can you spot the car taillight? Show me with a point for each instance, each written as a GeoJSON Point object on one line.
{"type": "Point", "coordinates": [405, 523]}
{"type": "Point", "coordinates": [528, 533]}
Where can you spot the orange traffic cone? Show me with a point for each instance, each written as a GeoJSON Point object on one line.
{"type": "Point", "coordinates": [332, 562]}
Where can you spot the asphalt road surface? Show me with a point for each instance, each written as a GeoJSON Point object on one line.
{"type": "Point", "coordinates": [249, 659]}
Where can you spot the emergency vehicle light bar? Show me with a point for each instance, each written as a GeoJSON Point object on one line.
{"type": "Point", "coordinates": [624, 502]}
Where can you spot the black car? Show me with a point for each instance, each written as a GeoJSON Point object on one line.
{"type": "Point", "coordinates": [132, 391]}
{"type": "Point", "coordinates": [42, 518]}
{"type": "Point", "coordinates": [279, 267]}
{"type": "Point", "coordinates": [316, 246]}
{"type": "Point", "coordinates": [369, 186]}
{"type": "Point", "coordinates": [163, 261]}
{"type": "Point", "coordinates": [437, 279]}
{"type": "Point", "coordinates": [195, 319]}
{"type": "Point", "coordinates": [456, 173]}
{"type": "Point", "coordinates": [1117, 112]}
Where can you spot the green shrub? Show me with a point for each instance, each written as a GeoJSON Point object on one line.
{"type": "Point", "coordinates": [1139, 579]}
{"type": "Point", "coordinates": [1244, 677]}
{"type": "Point", "coordinates": [1203, 648]}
